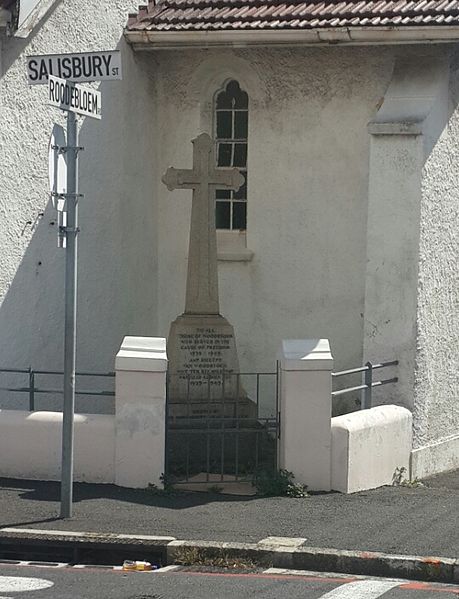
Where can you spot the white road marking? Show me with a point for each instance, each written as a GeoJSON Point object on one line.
{"type": "Point", "coordinates": [16, 584]}
{"type": "Point", "coordinates": [316, 573]}
{"type": "Point", "coordinates": [167, 569]}
{"type": "Point", "coordinates": [362, 589]}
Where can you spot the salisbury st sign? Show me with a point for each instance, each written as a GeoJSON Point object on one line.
{"type": "Point", "coordinates": [85, 66]}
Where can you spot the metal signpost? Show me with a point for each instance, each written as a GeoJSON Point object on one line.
{"type": "Point", "coordinates": [63, 159]}
{"type": "Point", "coordinates": [71, 261]}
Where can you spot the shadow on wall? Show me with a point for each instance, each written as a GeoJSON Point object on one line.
{"type": "Point", "coordinates": [117, 254]}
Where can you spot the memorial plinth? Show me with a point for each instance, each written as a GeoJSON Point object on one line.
{"type": "Point", "coordinates": [204, 375]}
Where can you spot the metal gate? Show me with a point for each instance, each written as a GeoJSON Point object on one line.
{"type": "Point", "coordinates": [221, 429]}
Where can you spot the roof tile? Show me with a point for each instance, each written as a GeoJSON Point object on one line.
{"type": "Point", "coordinates": [189, 15]}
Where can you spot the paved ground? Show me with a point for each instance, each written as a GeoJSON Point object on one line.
{"type": "Point", "coordinates": [41, 583]}
{"type": "Point", "coordinates": [404, 520]}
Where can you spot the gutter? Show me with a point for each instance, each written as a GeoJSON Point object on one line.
{"type": "Point", "coordinates": [147, 40]}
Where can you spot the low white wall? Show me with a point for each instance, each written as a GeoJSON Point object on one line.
{"type": "Point", "coordinates": [126, 449]}
{"type": "Point", "coordinates": [369, 446]}
{"type": "Point", "coordinates": [30, 446]}
{"type": "Point", "coordinates": [435, 458]}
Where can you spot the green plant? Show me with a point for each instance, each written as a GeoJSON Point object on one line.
{"type": "Point", "coordinates": [167, 490]}
{"type": "Point", "coordinates": [278, 484]}
{"type": "Point", "coordinates": [215, 489]}
{"type": "Point", "coordinates": [412, 483]}
{"type": "Point", "coordinates": [399, 479]}
{"type": "Point", "coordinates": [194, 556]}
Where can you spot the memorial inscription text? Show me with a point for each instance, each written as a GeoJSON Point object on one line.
{"type": "Point", "coordinates": [205, 358]}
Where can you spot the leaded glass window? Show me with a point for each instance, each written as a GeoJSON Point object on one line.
{"type": "Point", "coordinates": [231, 132]}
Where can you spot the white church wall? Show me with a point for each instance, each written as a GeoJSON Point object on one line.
{"type": "Point", "coordinates": [392, 259]}
{"type": "Point", "coordinates": [117, 269]}
{"type": "Point", "coordinates": [403, 132]}
{"type": "Point", "coordinates": [436, 411]}
{"type": "Point", "coordinates": [308, 185]}
{"type": "Point", "coordinates": [309, 156]}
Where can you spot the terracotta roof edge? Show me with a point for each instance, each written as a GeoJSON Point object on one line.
{"type": "Point", "coordinates": [360, 35]}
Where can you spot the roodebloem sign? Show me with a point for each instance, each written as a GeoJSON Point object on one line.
{"type": "Point", "coordinates": [74, 97]}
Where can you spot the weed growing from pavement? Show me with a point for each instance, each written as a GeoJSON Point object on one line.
{"type": "Point", "coordinates": [278, 484]}
{"type": "Point", "coordinates": [194, 556]}
{"type": "Point", "coordinates": [167, 490]}
{"type": "Point", "coordinates": [399, 479]}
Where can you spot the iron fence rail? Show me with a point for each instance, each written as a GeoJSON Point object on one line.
{"type": "Point", "coordinates": [368, 384]}
{"type": "Point", "coordinates": [217, 445]}
{"type": "Point", "coordinates": [32, 388]}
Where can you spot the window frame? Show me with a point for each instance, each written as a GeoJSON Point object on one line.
{"type": "Point", "coordinates": [228, 198]}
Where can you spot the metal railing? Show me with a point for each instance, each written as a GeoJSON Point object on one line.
{"type": "Point", "coordinates": [221, 427]}
{"type": "Point", "coordinates": [368, 384]}
{"type": "Point", "coordinates": [32, 389]}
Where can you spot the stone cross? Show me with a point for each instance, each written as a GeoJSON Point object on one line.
{"type": "Point", "coordinates": [203, 179]}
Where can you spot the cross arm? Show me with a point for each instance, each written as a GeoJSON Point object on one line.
{"type": "Point", "coordinates": [227, 178]}
{"type": "Point", "coordinates": [179, 178]}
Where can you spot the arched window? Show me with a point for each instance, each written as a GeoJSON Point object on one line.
{"type": "Point", "coordinates": [231, 117]}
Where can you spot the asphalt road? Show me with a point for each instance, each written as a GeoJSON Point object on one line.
{"type": "Point", "coordinates": [403, 520]}
{"type": "Point", "coordinates": [65, 583]}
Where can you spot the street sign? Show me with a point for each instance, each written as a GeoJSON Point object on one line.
{"type": "Point", "coordinates": [57, 163]}
{"type": "Point", "coordinates": [85, 66]}
{"type": "Point", "coordinates": [74, 98]}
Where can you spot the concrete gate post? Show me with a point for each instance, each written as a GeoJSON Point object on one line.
{"type": "Point", "coordinates": [140, 418]}
{"type": "Point", "coordinates": [305, 407]}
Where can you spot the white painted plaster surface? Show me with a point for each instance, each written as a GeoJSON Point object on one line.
{"type": "Point", "coordinates": [392, 260]}
{"type": "Point", "coordinates": [30, 446]}
{"type": "Point", "coordinates": [305, 354]}
{"type": "Point", "coordinates": [317, 270]}
{"type": "Point", "coordinates": [142, 353]}
{"type": "Point", "coordinates": [435, 458]}
{"type": "Point", "coordinates": [117, 267]}
{"type": "Point", "coordinates": [305, 406]}
{"type": "Point", "coordinates": [140, 413]}
{"type": "Point", "coordinates": [412, 282]}
{"type": "Point", "coordinates": [126, 449]}
{"type": "Point", "coordinates": [436, 410]}
{"type": "Point", "coordinates": [368, 446]}
{"type": "Point", "coordinates": [307, 198]}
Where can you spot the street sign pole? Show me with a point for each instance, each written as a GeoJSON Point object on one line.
{"type": "Point", "coordinates": [73, 98]}
{"type": "Point", "coordinates": [71, 260]}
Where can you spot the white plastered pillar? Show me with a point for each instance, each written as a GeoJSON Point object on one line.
{"type": "Point", "coordinates": [305, 411]}
{"type": "Point", "coordinates": [402, 132]}
{"type": "Point", "coordinates": [393, 254]}
{"type": "Point", "coordinates": [140, 419]}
